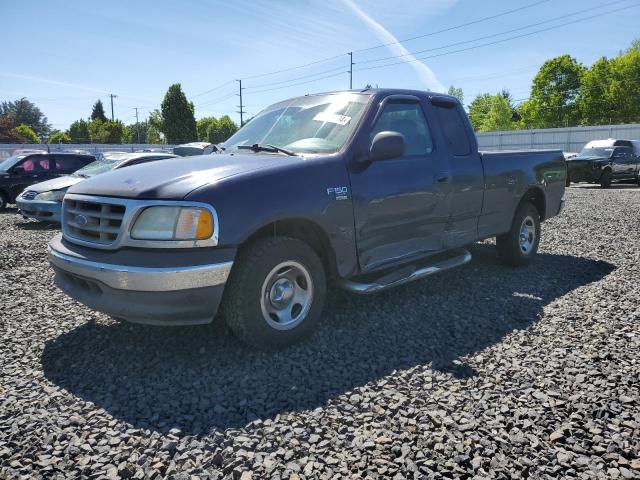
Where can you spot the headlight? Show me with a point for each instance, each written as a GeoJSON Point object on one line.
{"type": "Point", "coordinates": [51, 195]}
{"type": "Point", "coordinates": [173, 223]}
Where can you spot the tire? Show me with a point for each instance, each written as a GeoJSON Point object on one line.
{"type": "Point", "coordinates": [513, 248]}
{"type": "Point", "coordinates": [4, 201]}
{"type": "Point", "coordinates": [567, 181]}
{"type": "Point", "coordinates": [275, 293]}
{"type": "Point", "coordinates": [605, 179]}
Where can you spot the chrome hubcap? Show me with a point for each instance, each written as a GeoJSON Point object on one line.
{"type": "Point", "coordinates": [286, 295]}
{"type": "Point", "coordinates": [527, 235]}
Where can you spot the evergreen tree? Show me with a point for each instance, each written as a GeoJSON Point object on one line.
{"type": "Point", "coordinates": [178, 120]}
{"type": "Point", "coordinates": [98, 112]}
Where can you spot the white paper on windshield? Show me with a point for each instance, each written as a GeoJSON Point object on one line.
{"type": "Point", "coordinates": [332, 118]}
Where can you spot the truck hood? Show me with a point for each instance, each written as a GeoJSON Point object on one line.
{"type": "Point", "coordinates": [174, 179]}
{"type": "Point", "coordinates": [55, 184]}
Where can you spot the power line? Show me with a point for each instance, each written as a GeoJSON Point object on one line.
{"type": "Point", "coordinates": [294, 79]}
{"type": "Point", "coordinates": [578, 12]}
{"type": "Point", "coordinates": [213, 89]}
{"type": "Point", "coordinates": [498, 41]}
{"type": "Point", "coordinates": [300, 83]}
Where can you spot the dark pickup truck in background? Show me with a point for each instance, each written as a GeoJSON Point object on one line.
{"type": "Point", "coordinates": [604, 164]}
{"type": "Point", "coordinates": [369, 189]}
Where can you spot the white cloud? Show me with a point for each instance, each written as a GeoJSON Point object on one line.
{"type": "Point", "coordinates": [424, 72]}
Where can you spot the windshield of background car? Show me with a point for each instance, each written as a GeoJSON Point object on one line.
{"type": "Point", "coordinates": [99, 166]}
{"type": "Point", "coordinates": [7, 163]}
{"type": "Point", "coordinates": [314, 124]}
{"type": "Point", "coordinates": [597, 152]}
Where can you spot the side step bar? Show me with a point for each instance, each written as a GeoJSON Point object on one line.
{"type": "Point", "coordinates": [407, 274]}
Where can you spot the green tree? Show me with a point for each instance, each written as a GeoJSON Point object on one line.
{"type": "Point", "coordinates": [221, 130]}
{"type": "Point", "coordinates": [59, 137]}
{"type": "Point", "coordinates": [153, 135]}
{"type": "Point", "coordinates": [202, 127]}
{"type": "Point", "coordinates": [136, 133]}
{"type": "Point", "coordinates": [499, 115]}
{"type": "Point", "coordinates": [178, 120]}
{"type": "Point", "coordinates": [27, 133]}
{"type": "Point", "coordinates": [553, 94]}
{"type": "Point", "coordinates": [8, 132]}
{"type": "Point", "coordinates": [24, 111]}
{"type": "Point", "coordinates": [110, 131]}
{"type": "Point", "coordinates": [456, 92]}
{"type": "Point", "coordinates": [79, 131]}
{"type": "Point", "coordinates": [479, 109]}
{"type": "Point", "coordinates": [97, 113]}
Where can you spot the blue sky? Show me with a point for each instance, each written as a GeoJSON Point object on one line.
{"type": "Point", "coordinates": [63, 55]}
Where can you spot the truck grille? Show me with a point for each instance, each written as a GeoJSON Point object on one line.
{"type": "Point", "coordinates": [29, 195]}
{"type": "Point", "coordinates": [93, 221]}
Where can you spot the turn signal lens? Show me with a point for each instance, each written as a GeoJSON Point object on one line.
{"type": "Point", "coordinates": [194, 224]}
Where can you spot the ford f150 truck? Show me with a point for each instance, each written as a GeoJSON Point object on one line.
{"type": "Point", "coordinates": [369, 189]}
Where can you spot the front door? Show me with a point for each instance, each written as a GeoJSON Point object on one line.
{"type": "Point", "coordinates": [400, 207]}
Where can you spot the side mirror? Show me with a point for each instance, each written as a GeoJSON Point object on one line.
{"type": "Point", "coordinates": [18, 171]}
{"type": "Point", "coordinates": [386, 146]}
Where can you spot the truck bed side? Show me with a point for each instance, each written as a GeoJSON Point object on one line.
{"type": "Point", "coordinates": [508, 178]}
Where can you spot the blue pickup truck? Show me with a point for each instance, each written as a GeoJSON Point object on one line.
{"type": "Point", "coordinates": [368, 189]}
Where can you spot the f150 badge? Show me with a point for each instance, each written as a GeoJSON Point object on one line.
{"type": "Point", "coordinates": [340, 193]}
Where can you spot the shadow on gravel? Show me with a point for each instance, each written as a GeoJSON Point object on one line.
{"type": "Point", "coordinates": [196, 380]}
{"type": "Point", "coordinates": [33, 225]}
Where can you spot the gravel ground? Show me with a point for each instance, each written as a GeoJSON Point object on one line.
{"type": "Point", "coordinates": [483, 372]}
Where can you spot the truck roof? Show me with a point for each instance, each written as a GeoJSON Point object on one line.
{"type": "Point", "coordinates": [392, 91]}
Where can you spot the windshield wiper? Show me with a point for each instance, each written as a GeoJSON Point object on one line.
{"type": "Point", "coordinates": [256, 147]}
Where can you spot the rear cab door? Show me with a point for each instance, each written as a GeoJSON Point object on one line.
{"type": "Point", "coordinates": [465, 171]}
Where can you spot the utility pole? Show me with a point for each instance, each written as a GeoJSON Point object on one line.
{"type": "Point", "coordinates": [241, 111]}
{"type": "Point", "coordinates": [350, 70]}
{"type": "Point", "coordinates": [137, 124]}
{"type": "Point", "coordinates": [112, 97]}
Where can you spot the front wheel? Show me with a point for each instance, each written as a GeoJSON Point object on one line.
{"type": "Point", "coordinates": [520, 244]}
{"type": "Point", "coordinates": [275, 293]}
{"type": "Point", "coordinates": [605, 179]}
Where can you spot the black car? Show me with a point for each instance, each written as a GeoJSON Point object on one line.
{"type": "Point", "coordinates": [603, 165]}
{"type": "Point", "coordinates": [25, 169]}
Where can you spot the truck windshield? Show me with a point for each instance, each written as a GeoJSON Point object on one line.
{"type": "Point", "coordinates": [597, 152]}
{"type": "Point", "coordinates": [313, 124]}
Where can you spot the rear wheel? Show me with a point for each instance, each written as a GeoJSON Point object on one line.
{"type": "Point", "coordinates": [275, 293]}
{"type": "Point", "coordinates": [520, 244]}
{"type": "Point", "coordinates": [605, 179]}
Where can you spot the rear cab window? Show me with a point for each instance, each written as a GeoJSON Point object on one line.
{"type": "Point", "coordinates": [454, 130]}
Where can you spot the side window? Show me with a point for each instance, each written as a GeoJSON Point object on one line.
{"type": "Point", "coordinates": [69, 163]}
{"type": "Point", "coordinates": [36, 163]}
{"type": "Point", "coordinates": [454, 130]}
{"type": "Point", "coordinates": [407, 119]}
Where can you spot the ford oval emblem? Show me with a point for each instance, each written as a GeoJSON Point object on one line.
{"type": "Point", "coordinates": [81, 220]}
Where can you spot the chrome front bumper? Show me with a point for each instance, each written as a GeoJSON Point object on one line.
{"type": "Point", "coordinates": [143, 279]}
{"type": "Point", "coordinates": [172, 295]}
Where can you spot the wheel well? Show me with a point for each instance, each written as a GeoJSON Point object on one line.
{"type": "Point", "coordinates": [309, 232]}
{"type": "Point", "coordinates": [536, 197]}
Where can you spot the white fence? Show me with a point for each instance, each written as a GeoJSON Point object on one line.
{"type": "Point", "coordinates": [570, 139]}
{"type": "Point", "coordinates": [7, 149]}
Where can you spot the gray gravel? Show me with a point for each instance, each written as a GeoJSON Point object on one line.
{"type": "Point", "coordinates": [483, 372]}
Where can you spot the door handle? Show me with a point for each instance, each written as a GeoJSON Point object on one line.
{"type": "Point", "coordinates": [442, 179]}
